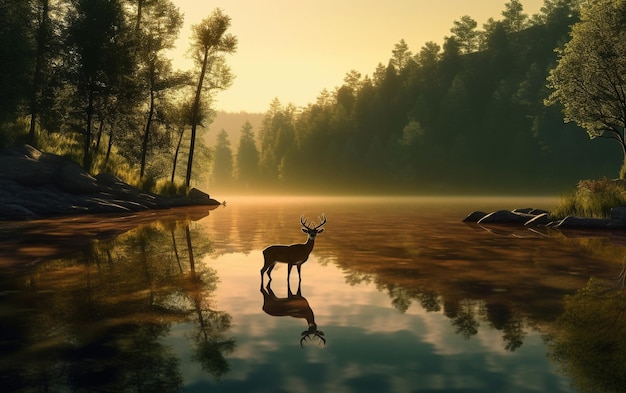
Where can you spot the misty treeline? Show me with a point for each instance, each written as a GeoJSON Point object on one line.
{"type": "Point", "coordinates": [468, 116]}
{"type": "Point", "coordinates": [93, 80]}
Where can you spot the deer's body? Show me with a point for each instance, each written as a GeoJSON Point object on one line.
{"type": "Point", "coordinates": [292, 255]}
{"type": "Point", "coordinates": [295, 306]}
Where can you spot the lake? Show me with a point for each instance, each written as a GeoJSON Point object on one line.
{"type": "Point", "coordinates": [398, 295]}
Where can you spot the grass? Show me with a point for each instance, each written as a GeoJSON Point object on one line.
{"type": "Point", "coordinates": [70, 146]}
{"type": "Point", "coordinates": [592, 198]}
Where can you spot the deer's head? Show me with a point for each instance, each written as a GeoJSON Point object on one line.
{"type": "Point", "coordinates": [312, 334]}
{"type": "Point", "coordinates": [313, 230]}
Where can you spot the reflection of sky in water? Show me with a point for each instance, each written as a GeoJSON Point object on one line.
{"type": "Point", "coordinates": [370, 345]}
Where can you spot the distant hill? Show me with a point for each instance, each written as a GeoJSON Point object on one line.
{"type": "Point", "coordinates": [232, 123]}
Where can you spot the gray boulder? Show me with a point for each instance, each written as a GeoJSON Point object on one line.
{"type": "Point", "coordinates": [35, 184]}
{"type": "Point", "coordinates": [539, 220]}
{"type": "Point", "coordinates": [474, 216]}
{"type": "Point", "coordinates": [573, 222]}
{"type": "Point", "coordinates": [506, 217]}
{"type": "Point", "coordinates": [618, 213]}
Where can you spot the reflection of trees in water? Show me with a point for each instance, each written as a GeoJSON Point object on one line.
{"type": "Point", "coordinates": [589, 340]}
{"type": "Point", "coordinates": [96, 319]}
{"type": "Point", "coordinates": [402, 298]}
{"type": "Point", "coordinates": [502, 318]}
{"type": "Point", "coordinates": [354, 277]}
{"type": "Point", "coordinates": [465, 322]}
{"type": "Point", "coordinates": [504, 296]}
{"type": "Point", "coordinates": [211, 346]}
{"type": "Point", "coordinates": [465, 314]}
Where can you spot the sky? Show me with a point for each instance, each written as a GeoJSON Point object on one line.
{"type": "Point", "coordinates": [292, 50]}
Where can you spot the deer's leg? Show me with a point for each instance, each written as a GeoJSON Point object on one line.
{"type": "Point", "coordinates": [269, 271]}
{"type": "Point", "coordinates": [299, 276]}
{"type": "Point", "coordinates": [289, 271]}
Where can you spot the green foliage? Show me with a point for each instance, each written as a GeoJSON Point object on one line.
{"type": "Point", "coordinates": [439, 121]}
{"type": "Point", "coordinates": [442, 122]}
{"type": "Point", "coordinates": [592, 198]}
{"type": "Point", "coordinates": [165, 187]}
{"type": "Point", "coordinates": [89, 80]}
{"type": "Point", "coordinates": [210, 42]}
{"type": "Point", "coordinates": [465, 33]}
{"type": "Point", "coordinates": [13, 132]}
{"type": "Point", "coordinates": [247, 159]}
{"type": "Point", "coordinates": [16, 57]}
{"type": "Point", "coordinates": [222, 172]}
{"type": "Point", "coordinates": [588, 342]}
{"type": "Point", "coordinates": [148, 184]}
{"type": "Point", "coordinates": [589, 79]}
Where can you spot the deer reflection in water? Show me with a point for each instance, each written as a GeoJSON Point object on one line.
{"type": "Point", "coordinates": [293, 255]}
{"type": "Point", "coordinates": [294, 306]}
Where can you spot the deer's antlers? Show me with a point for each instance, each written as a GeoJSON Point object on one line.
{"type": "Point", "coordinates": [308, 335]}
{"type": "Point", "coordinates": [304, 222]}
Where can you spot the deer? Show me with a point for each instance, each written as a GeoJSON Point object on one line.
{"type": "Point", "coordinates": [294, 254]}
{"type": "Point", "coordinates": [295, 306]}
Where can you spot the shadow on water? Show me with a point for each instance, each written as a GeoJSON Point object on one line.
{"type": "Point", "coordinates": [85, 304]}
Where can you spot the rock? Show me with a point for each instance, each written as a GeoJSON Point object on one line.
{"type": "Point", "coordinates": [542, 219]}
{"type": "Point", "coordinates": [200, 197]}
{"type": "Point", "coordinates": [474, 216]}
{"type": "Point", "coordinates": [505, 217]}
{"type": "Point", "coordinates": [16, 212]}
{"type": "Point", "coordinates": [35, 184]}
{"type": "Point", "coordinates": [195, 194]}
{"type": "Point", "coordinates": [533, 218]}
{"type": "Point", "coordinates": [25, 170]}
{"type": "Point", "coordinates": [73, 179]}
{"type": "Point", "coordinates": [108, 179]}
{"type": "Point", "coordinates": [573, 222]}
{"type": "Point", "coordinates": [618, 213]}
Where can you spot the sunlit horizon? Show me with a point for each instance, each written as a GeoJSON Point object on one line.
{"type": "Point", "coordinates": [292, 51]}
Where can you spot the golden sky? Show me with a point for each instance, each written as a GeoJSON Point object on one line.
{"type": "Point", "coordinates": [293, 49]}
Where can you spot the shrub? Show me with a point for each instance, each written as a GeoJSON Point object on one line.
{"type": "Point", "coordinates": [168, 188]}
{"type": "Point", "coordinates": [622, 171]}
{"type": "Point", "coordinates": [592, 198]}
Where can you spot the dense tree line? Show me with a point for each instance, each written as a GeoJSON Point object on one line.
{"type": "Point", "coordinates": [91, 79]}
{"type": "Point", "coordinates": [466, 117]}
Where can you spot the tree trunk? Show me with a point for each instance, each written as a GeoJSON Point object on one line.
{"type": "Point", "coordinates": [110, 143]}
{"type": "Point", "coordinates": [194, 115]}
{"type": "Point", "coordinates": [87, 142]}
{"type": "Point", "coordinates": [42, 34]}
{"type": "Point", "coordinates": [146, 136]}
{"type": "Point", "coordinates": [139, 14]}
{"type": "Point", "coordinates": [99, 137]}
{"type": "Point", "coordinates": [180, 139]}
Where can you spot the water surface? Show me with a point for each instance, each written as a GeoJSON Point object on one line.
{"type": "Point", "coordinates": [405, 297]}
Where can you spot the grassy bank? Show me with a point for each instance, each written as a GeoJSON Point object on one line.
{"type": "Point", "coordinates": [592, 198]}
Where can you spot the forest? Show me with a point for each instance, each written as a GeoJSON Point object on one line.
{"type": "Point", "coordinates": [469, 116]}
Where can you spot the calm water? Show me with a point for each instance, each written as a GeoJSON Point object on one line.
{"type": "Point", "coordinates": [405, 297]}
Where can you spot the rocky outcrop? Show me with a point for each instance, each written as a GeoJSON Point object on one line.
{"type": "Point", "coordinates": [507, 217]}
{"type": "Point", "coordinates": [529, 217]}
{"type": "Point", "coordinates": [35, 184]}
